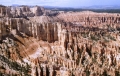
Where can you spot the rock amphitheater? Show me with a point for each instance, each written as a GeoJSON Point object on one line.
{"type": "Point", "coordinates": [39, 42]}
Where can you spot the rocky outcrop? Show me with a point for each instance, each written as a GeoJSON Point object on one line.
{"type": "Point", "coordinates": [25, 11]}
{"type": "Point", "coordinates": [38, 11]}
{"type": "Point", "coordinates": [50, 13]}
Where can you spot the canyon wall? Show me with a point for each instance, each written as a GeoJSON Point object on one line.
{"type": "Point", "coordinates": [41, 31]}
{"type": "Point", "coordinates": [69, 44]}
{"type": "Point", "coordinates": [25, 11]}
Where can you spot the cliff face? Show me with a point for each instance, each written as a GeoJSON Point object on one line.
{"type": "Point", "coordinates": [5, 11]}
{"type": "Point", "coordinates": [38, 11]}
{"type": "Point", "coordinates": [25, 11]}
{"type": "Point", "coordinates": [69, 44]}
{"type": "Point", "coordinates": [41, 31]}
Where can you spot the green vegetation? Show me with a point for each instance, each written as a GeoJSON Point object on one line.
{"type": "Point", "coordinates": [111, 37]}
{"type": "Point", "coordinates": [85, 35]}
{"type": "Point", "coordinates": [16, 66]}
{"type": "Point", "coordinates": [22, 69]}
{"type": "Point", "coordinates": [87, 72]}
{"type": "Point", "coordinates": [117, 73]}
{"type": "Point", "coordinates": [94, 38]}
{"type": "Point", "coordinates": [93, 60]}
{"type": "Point", "coordinates": [105, 73]}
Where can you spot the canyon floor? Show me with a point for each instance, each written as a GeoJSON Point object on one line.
{"type": "Point", "coordinates": [38, 42]}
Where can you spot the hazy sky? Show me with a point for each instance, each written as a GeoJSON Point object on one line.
{"type": "Point", "coordinates": [61, 3]}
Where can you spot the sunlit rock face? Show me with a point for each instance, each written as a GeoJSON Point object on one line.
{"type": "Point", "coordinates": [34, 42]}
{"type": "Point", "coordinates": [25, 11]}
{"type": "Point", "coordinates": [41, 31]}
{"type": "Point", "coordinates": [37, 10]}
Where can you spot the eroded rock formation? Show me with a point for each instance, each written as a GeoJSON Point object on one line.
{"type": "Point", "coordinates": [33, 42]}
{"type": "Point", "coordinates": [88, 18]}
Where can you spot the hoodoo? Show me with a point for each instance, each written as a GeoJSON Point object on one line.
{"type": "Point", "coordinates": [35, 41]}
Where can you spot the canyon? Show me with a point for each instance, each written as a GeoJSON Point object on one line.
{"type": "Point", "coordinates": [38, 42]}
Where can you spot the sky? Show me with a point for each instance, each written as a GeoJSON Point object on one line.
{"type": "Point", "coordinates": [61, 3]}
